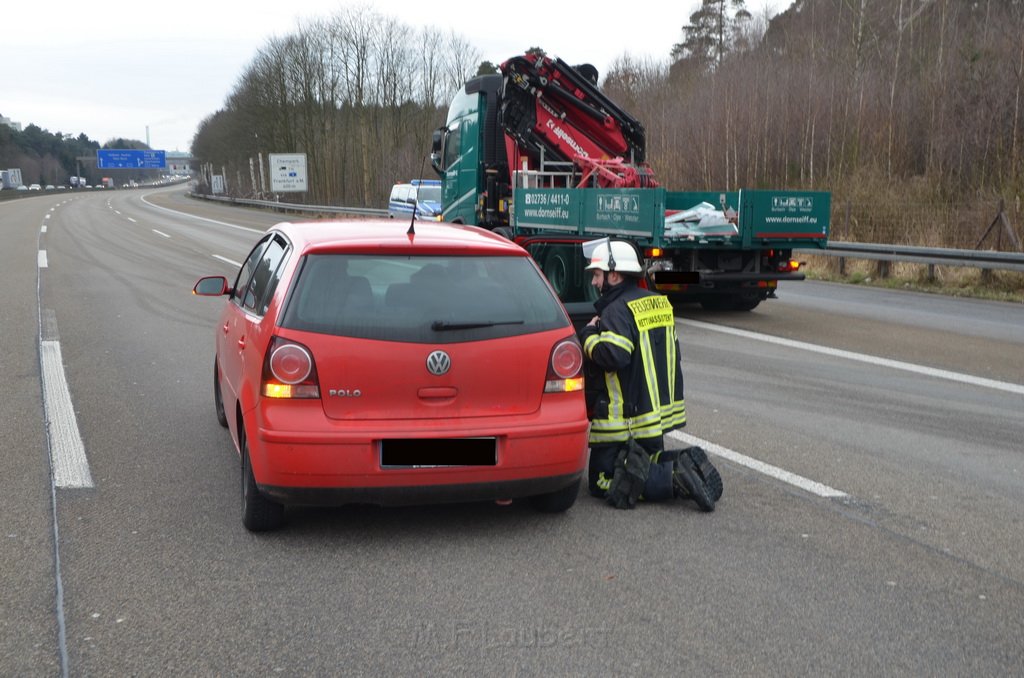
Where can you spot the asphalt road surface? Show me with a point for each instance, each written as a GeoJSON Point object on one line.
{"type": "Point", "coordinates": [871, 443]}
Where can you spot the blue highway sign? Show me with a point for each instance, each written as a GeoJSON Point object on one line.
{"type": "Point", "coordinates": [130, 159]}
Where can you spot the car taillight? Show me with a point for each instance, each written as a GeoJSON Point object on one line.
{"type": "Point", "coordinates": [789, 266]}
{"type": "Point", "coordinates": [289, 371]}
{"type": "Point", "coordinates": [565, 367]}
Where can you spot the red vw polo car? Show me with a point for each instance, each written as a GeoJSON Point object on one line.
{"type": "Point", "coordinates": [358, 362]}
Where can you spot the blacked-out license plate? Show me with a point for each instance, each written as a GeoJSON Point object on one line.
{"type": "Point", "coordinates": [426, 452]}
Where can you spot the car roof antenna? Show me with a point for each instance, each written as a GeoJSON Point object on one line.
{"type": "Point", "coordinates": [415, 203]}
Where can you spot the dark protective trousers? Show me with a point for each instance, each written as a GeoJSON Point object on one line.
{"type": "Point", "coordinates": [659, 481]}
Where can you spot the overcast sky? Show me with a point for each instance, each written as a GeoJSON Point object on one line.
{"type": "Point", "coordinates": [112, 68]}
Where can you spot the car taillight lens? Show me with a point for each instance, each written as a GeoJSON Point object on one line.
{"type": "Point", "coordinates": [289, 371]}
{"type": "Point", "coordinates": [789, 266]}
{"type": "Point", "coordinates": [565, 367]}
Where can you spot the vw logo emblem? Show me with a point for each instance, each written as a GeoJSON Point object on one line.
{"type": "Point", "coordinates": [438, 363]}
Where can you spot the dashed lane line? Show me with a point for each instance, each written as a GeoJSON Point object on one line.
{"type": "Point", "coordinates": [67, 452]}
{"type": "Point", "coordinates": [805, 484]}
{"type": "Point", "coordinates": [212, 221]}
{"type": "Point", "coordinates": [226, 260]}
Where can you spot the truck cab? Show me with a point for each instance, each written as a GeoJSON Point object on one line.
{"type": "Point", "coordinates": [468, 153]}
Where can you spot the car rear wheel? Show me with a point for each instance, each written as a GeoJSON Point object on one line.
{"type": "Point", "coordinates": [259, 514]}
{"type": "Point", "coordinates": [218, 399]}
{"type": "Point", "coordinates": [558, 501]}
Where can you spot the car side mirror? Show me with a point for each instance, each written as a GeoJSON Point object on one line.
{"type": "Point", "coordinates": [212, 286]}
{"type": "Point", "coordinates": [436, 150]}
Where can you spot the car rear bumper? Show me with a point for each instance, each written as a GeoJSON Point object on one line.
{"type": "Point", "coordinates": [415, 495]}
{"type": "Point", "coordinates": [334, 467]}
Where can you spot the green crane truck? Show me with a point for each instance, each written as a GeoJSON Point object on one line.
{"type": "Point", "coordinates": [541, 155]}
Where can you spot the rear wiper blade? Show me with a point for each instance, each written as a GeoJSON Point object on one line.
{"type": "Point", "coordinates": [441, 325]}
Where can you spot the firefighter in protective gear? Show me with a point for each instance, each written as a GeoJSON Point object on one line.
{"type": "Point", "coordinates": [634, 386]}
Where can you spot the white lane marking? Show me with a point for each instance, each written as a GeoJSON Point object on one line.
{"type": "Point", "coordinates": [192, 216]}
{"type": "Point", "coordinates": [67, 453]}
{"type": "Point", "coordinates": [226, 260]}
{"type": "Point", "coordinates": [131, 220]}
{"type": "Point", "coordinates": [767, 469]}
{"type": "Point", "coordinates": [116, 212]}
{"type": "Point", "coordinates": [46, 216]}
{"type": "Point", "coordinates": [43, 229]}
{"type": "Point", "coordinates": [161, 233]}
{"type": "Point", "coordinates": [42, 259]}
{"type": "Point", "coordinates": [864, 358]}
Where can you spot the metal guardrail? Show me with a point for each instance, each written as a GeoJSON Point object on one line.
{"type": "Point", "coordinates": [294, 207]}
{"type": "Point", "coordinates": [931, 256]}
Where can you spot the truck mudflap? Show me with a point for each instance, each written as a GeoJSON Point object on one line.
{"type": "Point", "coordinates": [720, 291]}
{"type": "Point", "coordinates": [671, 280]}
{"type": "Point", "coordinates": [712, 278]}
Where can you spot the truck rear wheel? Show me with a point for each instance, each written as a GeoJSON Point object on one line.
{"type": "Point", "coordinates": [731, 302]}
{"type": "Point", "coordinates": [719, 303]}
{"type": "Point", "coordinates": [745, 303]}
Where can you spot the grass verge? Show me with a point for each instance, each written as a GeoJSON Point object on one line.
{"type": "Point", "coordinates": [954, 281]}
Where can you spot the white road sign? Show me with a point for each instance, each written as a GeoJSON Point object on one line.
{"type": "Point", "coordinates": [288, 172]}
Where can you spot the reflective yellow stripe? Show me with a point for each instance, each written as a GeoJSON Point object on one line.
{"type": "Point", "coordinates": [673, 360]}
{"type": "Point", "coordinates": [612, 338]}
{"type": "Point", "coordinates": [675, 420]}
{"type": "Point", "coordinates": [650, 369]}
{"type": "Point", "coordinates": [615, 398]}
{"type": "Point", "coordinates": [617, 340]}
{"type": "Point", "coordinates": [617, 437]}
{"type": "Point", "coordinates": [623, 436]}
{"type": "Point", "coordinates": [610, 425]}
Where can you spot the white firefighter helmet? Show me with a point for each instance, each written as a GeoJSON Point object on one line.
{"type": "Point", "coordinates": [623, 258]}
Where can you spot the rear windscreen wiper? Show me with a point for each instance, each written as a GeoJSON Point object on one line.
{"type": "Point", "coordinates": [441, 325]}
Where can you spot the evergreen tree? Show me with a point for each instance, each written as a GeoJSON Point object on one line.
{"type": "Point", "coordinates": [715, 29]}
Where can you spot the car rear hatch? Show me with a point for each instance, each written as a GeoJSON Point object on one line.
{"type": "Point", "coordinates": [368, 379]}
{"type": "Point", "coordinates": [425, 337]}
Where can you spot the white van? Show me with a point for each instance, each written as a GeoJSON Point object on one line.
{"type": "Point", "coordinates": [422, 194]}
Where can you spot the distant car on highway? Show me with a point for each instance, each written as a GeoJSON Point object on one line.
{"type": "Point", "coordinates": [420, 196]}
{"type": "Point", "coordinates": [359, 362]}
{"type": "Point", "coordinates": [35, 187]}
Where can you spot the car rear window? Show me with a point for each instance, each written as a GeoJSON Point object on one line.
{"type": "Point", "coordinates": [421, 299]}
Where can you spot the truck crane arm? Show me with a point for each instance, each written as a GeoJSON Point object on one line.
{"type": "Point", "coordinates": [552, 109]}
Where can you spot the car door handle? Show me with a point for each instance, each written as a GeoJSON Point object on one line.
{"type": "Point", "coordinates": [241, 343]}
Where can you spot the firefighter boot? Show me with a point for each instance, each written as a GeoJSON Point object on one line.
{"type": "Point", "coordinates": [706, 471]}
{"type": "Point", "coordinates": [688, 483]}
